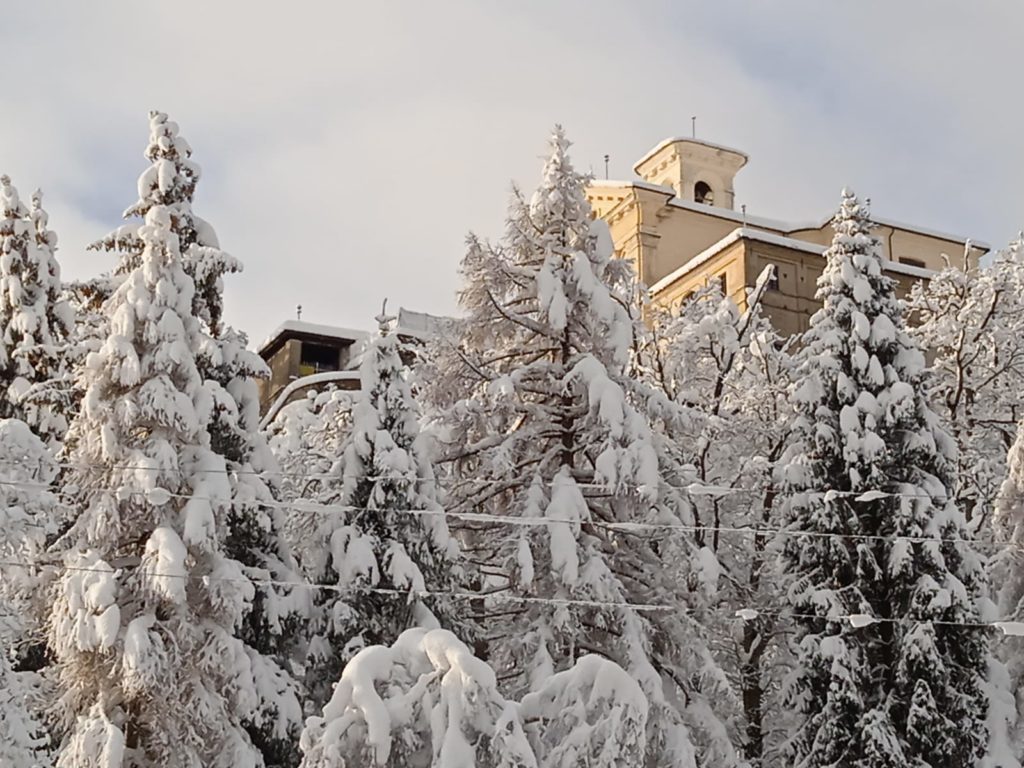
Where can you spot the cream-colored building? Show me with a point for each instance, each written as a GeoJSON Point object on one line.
{"type": "Point", "coordinates": [678, 224]}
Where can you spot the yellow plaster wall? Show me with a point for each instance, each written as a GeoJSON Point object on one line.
{"type": "Point", "coordinates": [730, 262]}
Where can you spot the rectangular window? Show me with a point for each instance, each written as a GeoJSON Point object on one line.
{"type": "Point", "coordinates": [773, 281]}
{"type": "Point", "coordinates": [723, 284]}
{"type": "Point", "coordinates": [913, 262]}
{"type": "Point", "coordinates": [317, 358]}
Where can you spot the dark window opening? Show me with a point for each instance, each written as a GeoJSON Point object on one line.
{"type": "Point", "coordinates": [316, 358]}
{"type": "Point", "coordinates": [913, 262]}
{"type": "Point", "coordinates": [702, 193]}
{"type": "Point", "coordinates": [773, 281]}
{"type": "Point", "coordinates": [723, 284]}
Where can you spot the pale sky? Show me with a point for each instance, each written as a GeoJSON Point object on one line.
{"type": "Point", "coordinates": [347, 148]}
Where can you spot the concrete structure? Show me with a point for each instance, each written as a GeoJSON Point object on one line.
{"type": "Point", "coordinates": [677, 223]}
{"type": "Point", "coordinates": [302, 355]}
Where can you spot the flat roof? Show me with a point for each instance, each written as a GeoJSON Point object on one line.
{"type": "Point", "coordinates": [291, 329]}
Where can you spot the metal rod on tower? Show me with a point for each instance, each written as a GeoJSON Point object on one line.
{"type": "Point", "coordinates": [606, 159]}
{"type": "Point", "coordinates": [693, 126]}
{"type": "Point", "coordinates": [298, 311]}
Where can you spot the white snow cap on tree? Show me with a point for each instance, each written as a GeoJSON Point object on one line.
{"type": "Point", "coordinates": [424, 702]}
{"type": "Point", "coordinates": [170, 181]}
{"type": "Point", "coordinates": [428, 702]}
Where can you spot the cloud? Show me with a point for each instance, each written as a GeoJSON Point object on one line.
{"type": "Point", "coordinates": [348, 148]}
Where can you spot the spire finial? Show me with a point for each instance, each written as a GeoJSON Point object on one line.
{"type": "Point", "coordinates": [298, 311]}
{"type": "Point", "coordinates": [693, 126]}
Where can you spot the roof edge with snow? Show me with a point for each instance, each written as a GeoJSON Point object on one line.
{"type": "Point", "coordinates": [302, 328]}
{"type": "Point", "coordinates": [747, 233]}
{"type": "Point", "coordinates": [685, 140]}
{"type": "Point", "coordinates": [784, 226]}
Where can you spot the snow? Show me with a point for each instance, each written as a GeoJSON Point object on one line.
{"type": "Point", "coordinates": [686, 140]}
{"type": "Point", "coordinates": [748, 233]}
{"type": "Point", "coordinates": [303, 328]}
{"type": "Point", "coordinates": [427, 688]}
{"type": "Point", "coordinates": [314, 379]}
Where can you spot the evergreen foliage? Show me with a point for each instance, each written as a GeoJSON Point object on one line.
{"type": "Point", "coordinates": [35, 321]}
{"type": "Point", "coordinates": [900, 686]}
{"type": "Point", "coordinates": [388, 545]}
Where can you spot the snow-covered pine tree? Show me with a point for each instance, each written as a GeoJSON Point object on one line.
{"type": "Point", "coordinates": [545, 427]}
{"type": "Point", "coordinates": [388, 543]}
{"type": "Point", "coordinates": [254, 534]}
{"type": "Point", "coordinates": [28, 514]}
{"type": "Point", "coordinates": [902, 682]}
{"type": "Point", "coordinates": [35, 321]}
{"type": "Point", "coordinates": [144, 619]}
{"type": "Point", "coordinates": [972, 319]}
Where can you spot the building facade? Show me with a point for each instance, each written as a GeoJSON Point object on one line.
{"type": "Point", "coordinates": [677, 223]}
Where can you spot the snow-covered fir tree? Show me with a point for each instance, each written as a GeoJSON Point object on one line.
{"type": "Point", "coordinates": [35, 321]}
{"type": "Point", "coordinates": [255, 524]}
{"type": "Point", "coordinates": [546, 428]}
{"type": "Point", "coordinates": [729, 372]}
{"type": "Point", "coordinates": [145, 618]}
{"type": "Point", "coordinates": [593, 714]}
{"type": "Point", "coordinates": [972, 319]}
{"type": "Point", "coordinates": [385, 543]}
{"type": "Point", "coordinates": [28, 515]}
{"type": "Point", "coordinates": [902, 682]}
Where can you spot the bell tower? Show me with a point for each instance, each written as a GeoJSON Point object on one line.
{"type": "Point", "coordinates": [698, 171]}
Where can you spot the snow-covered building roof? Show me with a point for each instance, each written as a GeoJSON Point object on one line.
{"type": "Point", "coordinates": [748, 233]}
{"type": "Point", "coordinates": [421, 325]}
{"type": "Point", "coordinates": [778, 225]}
{"type": "Point", "coordinates": [315, 332]}
{"type": "Point", "coordinates": [684, 140]}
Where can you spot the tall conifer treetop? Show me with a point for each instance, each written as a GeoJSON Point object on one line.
{"type": "Point", "coordinates": [888, 693]}
{"type": "Point", "coordinates": [170, 181]}
{"type": "Point", "coordinates": [34, 321]}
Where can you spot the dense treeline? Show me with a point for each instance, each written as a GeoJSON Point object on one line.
{"type": "Point", "coordinates": [569, 529]}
